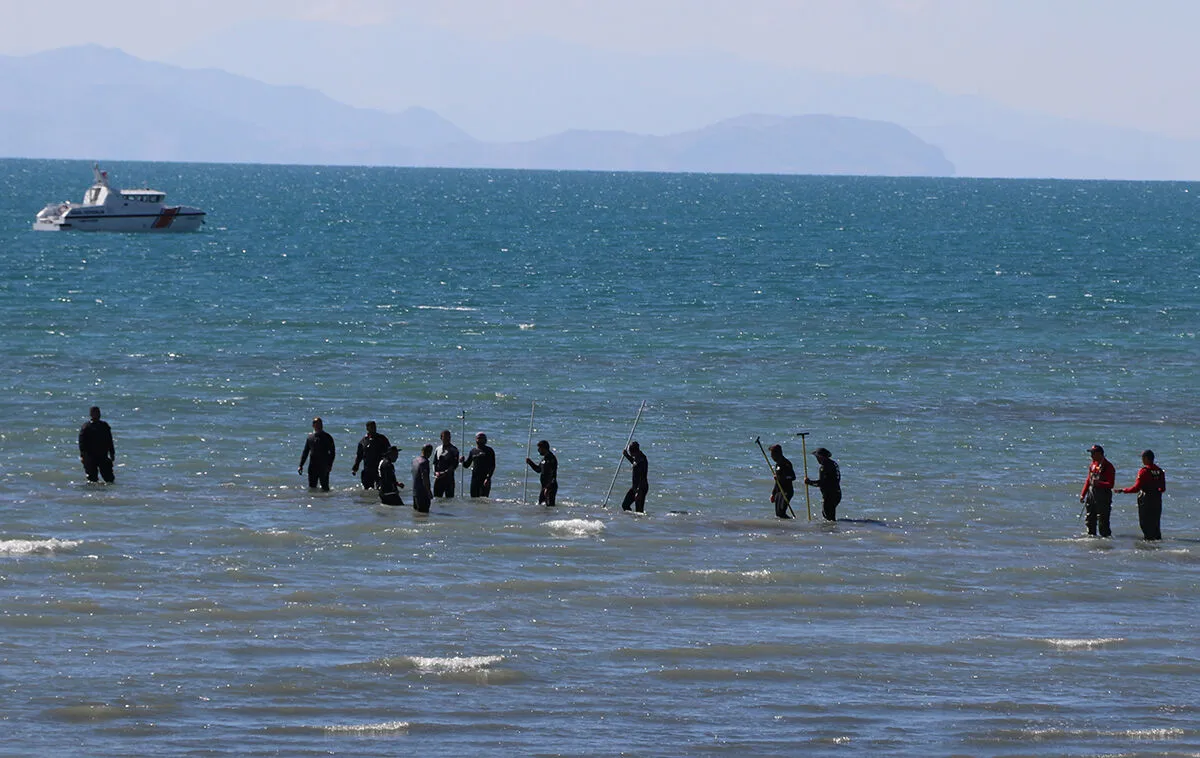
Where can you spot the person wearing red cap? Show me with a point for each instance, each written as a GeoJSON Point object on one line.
{"type": "Point", "coordinates": [1097, 493]}
{"type": "Point", "coordinates": [1150, 485]}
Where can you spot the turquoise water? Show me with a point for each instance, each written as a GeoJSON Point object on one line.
{"type": "Point", "coordinates": [957, 344]}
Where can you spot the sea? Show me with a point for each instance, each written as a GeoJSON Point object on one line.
{"type": "Point", "coordinates": [957, 344]}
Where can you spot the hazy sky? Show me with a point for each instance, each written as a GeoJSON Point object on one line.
{"type": "Point", "coordinates": [1121, 62]}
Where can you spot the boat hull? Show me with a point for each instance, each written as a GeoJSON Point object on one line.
{"type": "Point", "coordinates": [180, 221]}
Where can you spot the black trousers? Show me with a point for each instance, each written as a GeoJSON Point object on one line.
{"type": "Point", "coordinates": [829, 504]}
{"type": "Point", "coordinates": [443, 486]}
{"type": "Point", "coordinates": [636, 497]}
{"type": "Point", "coordinates": [370, 474]}
{"type": "Point", "coordinates": [96, 466]}
{"type": "Point", "coordinates": [548, 494]}
{"type": "Point", "coordinates": [1099, 509]}
{"type": "Point", "coordinates": [390, 498]}
{"type": "Point", "coordinates": [1150, 514]}
{"type": "Point", "coordinates": [481, 486]}
{"type": "Point", "coordinates": [318, 475]}
{"type": "Point", "coordinates": [781, 500]}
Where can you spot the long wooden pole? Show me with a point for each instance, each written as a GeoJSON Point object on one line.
{"type": "Point", "coordinates": [804, 452]}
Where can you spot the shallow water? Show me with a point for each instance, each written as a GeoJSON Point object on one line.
{"type": "Point", "coordinates": [957, 344]}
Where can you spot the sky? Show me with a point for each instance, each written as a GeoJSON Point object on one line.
{"type": "Point", "coordinates": [1116, 62]}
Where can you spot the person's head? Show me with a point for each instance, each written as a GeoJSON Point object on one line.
{"type": "Point", "coordinates": [427, 450]}
{"type": "Point", "coordinates": [634, 447]}
{"type": "Point", "coordinates": [1097, 452]}
{"type": "Point", "coordinates": [543, 447]}
{"type": "Point", "coordinates": [371, 427]}
{"type": "Point", "coordinates": [821, 454]}
{"type": "Point", "coordinates": [1147, 456]}
{"type": "Point", "coordinates": [776, 451]}
{"type": "Point", "coordinates": [318, 424]}
{"type": "Point", "coordinates": [445, 436]}
{"type": "Point", "coordinates": [392, 453]}
{"type": "Point", "coordinates": [481, 439]}
{"type": "Point", "coordinates": [94, 412]}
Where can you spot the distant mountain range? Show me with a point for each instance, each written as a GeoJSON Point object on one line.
{"type": "Point", "coordinates": [98, 103]}
{"type": "Point", "coordinates": [92, 102]}
{"type": "Point", "coordinates": [522, 89]}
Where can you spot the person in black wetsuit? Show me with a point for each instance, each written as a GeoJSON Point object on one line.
{"type": "Point", "coordinates": [445, 463]}
{"type": "Point", "coordinates": [389, 488]}
{"type": "Point", "coordinates": [370, 452]}
{"type": "Point", "coordinates": [422, 495]}
{"type": "Point", "coordinates": [829, 481]}
{"type": "Point", "coordinates": [785, 476]}
{"type": "Point", "coordinates": [548, 469]}
{"type": "Point", "coordinates": [482, 462]}
{"type": "Point", "coordinates": [636, 496]}
{"type": "Point", "coordinates": [319, 451]}
{"type": "Point", "coordinates": [96, 449]}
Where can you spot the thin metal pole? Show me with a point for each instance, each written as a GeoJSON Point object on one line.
{"type": "Point", "coordinates": [462, 440]}
{"type": "Point", "coordinates": [528, 445]}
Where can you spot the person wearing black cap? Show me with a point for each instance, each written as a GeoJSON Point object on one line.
{"type": "Point", "coordinates": [482, 462]}
{"type": "Point", "coordinates": [635, 498]}
{"type": "Point", "coordinates": [319, 451]}
{"type": "Point", "coordinates": [1097, 493]}
{"type": "Point", "coordinates": [785, 475]}
{"type": "Point", "coordinates": [1150, 485]}
{"type": "Point", "coordinates": [389, 488]}
{"type": "Point", "coordinates": [829, 481]}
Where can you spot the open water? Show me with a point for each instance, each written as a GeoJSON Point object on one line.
{"type": "Point", "coordinates": [958, 344]}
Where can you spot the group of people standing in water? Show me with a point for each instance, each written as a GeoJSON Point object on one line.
{"type": "Point", "coordinates": [433, 473]}
{"type": "Point", "coordinates": [1098, 489]}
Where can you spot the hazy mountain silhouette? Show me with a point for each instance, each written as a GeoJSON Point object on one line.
{"type": "Point", "coordinates": [531, 88]}
{"type": "Point", "coordinates": [90, 102]}
{"type": "Point", "coordinates": [749, 144]}
{"type": "Point", "coordinates": [125, 108]}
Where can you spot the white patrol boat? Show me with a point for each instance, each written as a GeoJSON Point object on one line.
{"type": "Point", "coordinates": [108, 209]}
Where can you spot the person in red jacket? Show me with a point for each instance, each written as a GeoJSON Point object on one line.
{"type": "Point", "coordinates": [1097, 492]}
{"type": "Point", "coordinates": [1150, 485]}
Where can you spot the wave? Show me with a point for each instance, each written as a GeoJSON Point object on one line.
{"type": "Point", "coordinates": [577, 527]}
{"type": "Point", "coordinates": [385, 727]}
{"type": "Point", "coordinates": [37, 547]}
{"type": "Point", "coordinates": [1083, 644]}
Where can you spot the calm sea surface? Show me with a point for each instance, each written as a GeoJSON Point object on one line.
{"type": "Point", "coordinates": [957, 344]}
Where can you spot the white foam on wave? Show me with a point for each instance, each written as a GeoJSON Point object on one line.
{"type": "Point", "coordinates": [454, 664]}
{"type": "Point", "coordinates": [385, 727]}
{"type": "Point", "coordinates": [577, 527]}
{"type": "Point", "coordinates": [758, 574]}
{"type": "Point", "coordinates": [1083, 644]}
{"type": "Point", "coordinates": [464, 308]}
{"type": "Point", "coordinates": [38, 547]}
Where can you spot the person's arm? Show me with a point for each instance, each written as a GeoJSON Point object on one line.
{"type": "Point", "coordinates": [1138, 483]}
{"type": "Point", "coordinates": [535, 466]}
{"type": "Point", "coordinates": [1162, 480]}
{"type": "Point", "coordinates": [1108, 476]}
{"type": "Point", "coordinates": [112, 449]}
{"type": "Point", "coordinates": [307, 449]}
{"type": "Point", "coordinates": [359, 455]}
